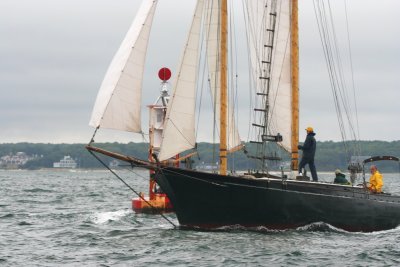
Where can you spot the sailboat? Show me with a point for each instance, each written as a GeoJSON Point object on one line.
{"type": "Point", "coordinates": [256, 198]}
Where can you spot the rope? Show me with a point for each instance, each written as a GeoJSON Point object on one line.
{"type": "Point", "coordinates": [329, 40]}
{"type": "Point", "coordinates": [127, 185]}
{"type": "Point", "coordinates": [352, 78]}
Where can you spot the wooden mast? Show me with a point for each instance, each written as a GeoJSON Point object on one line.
{"type": "Point", "coordinates": [295, 83]}
{"type": "Point", "coordinates": [223, 90]}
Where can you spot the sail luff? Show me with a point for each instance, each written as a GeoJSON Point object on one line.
{"type": "Point", "coordinates": [295, 83]}
{"type": "Point", "coordinates": [118, 103]}
{"type": "Point", "coordinates": [179, 128]}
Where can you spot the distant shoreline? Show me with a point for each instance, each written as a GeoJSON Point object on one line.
{"type": "Point", "coordinates": [329, 156]}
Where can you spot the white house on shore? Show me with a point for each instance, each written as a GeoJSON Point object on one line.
{"type": "Point", "coordinates": [66, 162]}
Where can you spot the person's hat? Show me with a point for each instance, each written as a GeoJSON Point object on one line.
{"type": "Point", "coordinates": [338, 171]}
{"type": "Point", "coordinates": [309, 129]}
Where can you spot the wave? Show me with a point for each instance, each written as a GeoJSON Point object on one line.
{"type": "Point", "coordinates": [312, 227]}
{"type": "Point", "coordinates": [26, 201]}
{"type": "Point", "coordinates": [36, 190]}
{"type": "Point", "coordinates": [326, 227]}
{"type": "Point", "coordinates": [231, 228]}
{"type": "Point", "coordinates": [119, 232]}
{"type": "Point", "coordinates": [109, 216]}
{"type": "Point", "coordinates": [382, 232]}
{"type": "Point", "coordinates": [24, 223]}
{"type": "Point", "coordinates": [10, 215]}
{"type": "Point", "coordinates": [320, 227]}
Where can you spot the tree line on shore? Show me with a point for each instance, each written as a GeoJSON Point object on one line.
{"type": "Point", "coordinates": [329, 156]}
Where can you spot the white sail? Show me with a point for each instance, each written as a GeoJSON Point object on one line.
{"type": "Point", "coordinates": [212, 29]}
{"type": "Point", "coordinates": [118, 103]}
{"type": "Point", "coordinates": [280, 120]}
{"type": "Point", "coordinates": [280, 95]}
{"type": "Point", "coordinates": [179, 129]}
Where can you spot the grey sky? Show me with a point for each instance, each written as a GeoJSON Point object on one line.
{"type": "Point", "coordinates": [54, 54]}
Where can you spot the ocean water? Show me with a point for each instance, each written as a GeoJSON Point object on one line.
{"type": "Point", "coordinates": [84, 218]}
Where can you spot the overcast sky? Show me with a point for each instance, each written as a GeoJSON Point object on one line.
{"type": "Point", "coordinates": [54, 54]}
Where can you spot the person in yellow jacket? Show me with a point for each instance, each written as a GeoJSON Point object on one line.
{"type": "Point", "coordinates": [375, 181]}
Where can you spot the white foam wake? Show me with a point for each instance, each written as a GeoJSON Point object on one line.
{"type": "Point", "coordinates": [104, 217]}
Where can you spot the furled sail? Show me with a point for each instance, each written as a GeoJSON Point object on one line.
{"type": "Point", "coordinates": [118, 103]}
{"type": "Point", "coordinates": [179, 129]}
{"type": "Point", "coordinates": [260, 26]}
{"type": "Point", "coordinates": [212, 28]}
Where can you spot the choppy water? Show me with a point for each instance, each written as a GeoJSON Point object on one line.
{"type": "Point", "coordinates": [84, 218]}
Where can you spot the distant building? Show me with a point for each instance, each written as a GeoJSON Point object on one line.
{"type": "Point", "coordinates": [15, 161]}
{"type": "Point", "coordinates": [66, 162]}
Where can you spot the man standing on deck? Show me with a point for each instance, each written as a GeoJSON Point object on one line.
{"type": "Point", "coordinates": [309, 147]}
{"type": "Point", "coordinates": [375, 181]}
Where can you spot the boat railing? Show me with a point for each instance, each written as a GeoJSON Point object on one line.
{"type": "Point", "coordinates": [377, 158]}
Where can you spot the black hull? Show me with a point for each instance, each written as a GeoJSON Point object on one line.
{"type": "Point", "coordinates": [210, 200]}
